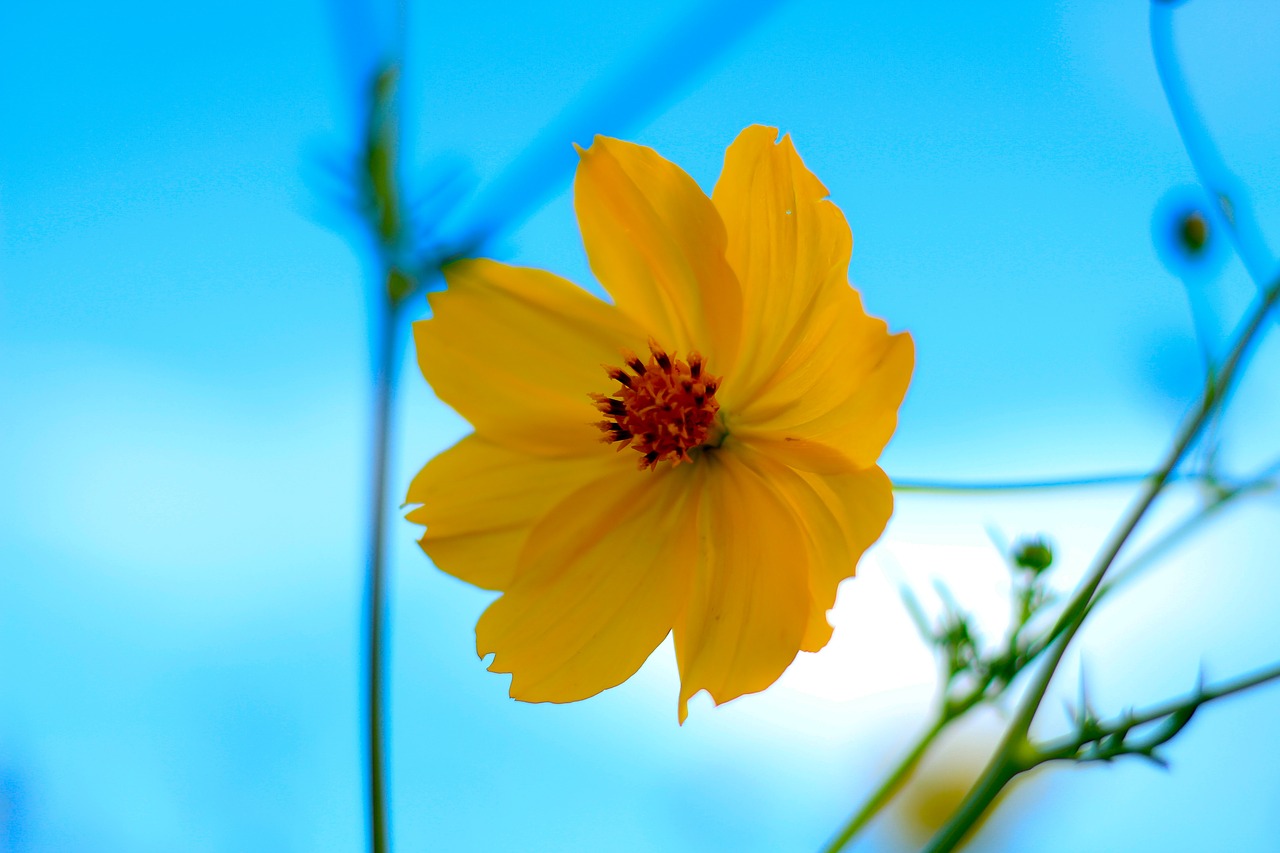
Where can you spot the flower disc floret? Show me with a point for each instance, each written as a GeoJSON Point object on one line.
{"type": "Point", "coordinates": [663, 409]}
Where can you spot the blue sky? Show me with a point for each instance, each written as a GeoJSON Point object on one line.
{"type": "Point", "coordinates": [183, 372]}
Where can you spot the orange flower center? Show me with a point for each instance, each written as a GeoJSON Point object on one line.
{"type": "Point", "coordinates": [663, 409]}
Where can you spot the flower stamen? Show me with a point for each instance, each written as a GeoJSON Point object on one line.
{"type": "Point", "coordinates": [664, 408]}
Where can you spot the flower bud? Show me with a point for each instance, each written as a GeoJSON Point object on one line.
{"type": "Point", "coordinates": [1035, 555]}
{"type": "Point", "coordinates": [1193, 232]}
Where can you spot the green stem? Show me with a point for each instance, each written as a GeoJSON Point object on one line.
{"type": "Point", "coordinates": [1073, 616]}
{"type": "Point", "coordinates": [1068, 747]}
{"type": "Point", "coordinates": [889, 787]}
{"type": "Point", "coordinates": [1184, 529]}
{"type": "Point", "coordinates": [1189, 525]}
{"type": "Point", "coordinates": [375, 595]}
{"type": "Point", "coordinates": [975, 804]}
{"type": "Point", "coordinates": [386, 224]}
{"type": "Point", "coordinates": [951, 487]}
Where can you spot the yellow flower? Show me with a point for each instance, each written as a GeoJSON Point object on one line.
{"type": "Point", "coordinates": [721, 486]}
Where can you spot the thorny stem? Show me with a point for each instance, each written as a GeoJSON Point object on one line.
{"type": "Point", "coordinates": [906, 766]}
{"type": "Point", "coordinates": [1251, 249]}
{"type": "Point", "coordinates": [1246, 238]}
{"type": "Point", "coordinates": [1003, 765]}
{"type": "Point", "coordinates": [1069, 747]}
{"type": "Point", "coordinates": [952, 710]}
{"type": "Point", "coordinates": [1216, 179]}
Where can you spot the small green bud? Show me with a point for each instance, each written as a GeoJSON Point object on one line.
{"type": "Point", "coordinates": [1034, 555]}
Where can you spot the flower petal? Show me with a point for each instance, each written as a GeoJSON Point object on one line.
{"type": "Point", "coordinates": [601, 580]}
{"type": "Point", "coordinates": [516, 351]}
{"type": "Point", "coordinates": [825, 540]}
{"type": "Point", "coordinates": [656, 243]}
{"type": "Point", "coordinates": [749, 603]}
{"type": "Point", "coordinates": [480, 500]}
{"type": "Point", "coordinates": [832, 403]}
{"type": "Point", "coordinates": [852, 413]}
{"type": "Point", "coordinates": [795, 451]}
{"type": "Point", "coordinates": [843, 514]}
{"type": "Point", "coordinates": [817, 370]}
{"type": "Point", "coordinates": [785, 241]}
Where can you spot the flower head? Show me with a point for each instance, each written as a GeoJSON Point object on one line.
{"type": "Point", "coordinates": [720, 486]}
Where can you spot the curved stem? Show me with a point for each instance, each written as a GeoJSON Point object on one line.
{"type": "Point", "coordinates": [1211, 170]}
{"type": "Point", "coordinates": [888, 788]}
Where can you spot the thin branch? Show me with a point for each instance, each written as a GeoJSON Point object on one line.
{"type": "Point", "coordinates": [888, 787]}
{"type": "Point", "coordinates": [1130, 571]}
{"type": "Point", "coordinates": [916, 611]}
{"type": "Point", "coordinates": [1116, 737]}
{"type": "Point", "coordinates": [1263, 481]}
{"type": "Point", "coordinates": [1090, 481]}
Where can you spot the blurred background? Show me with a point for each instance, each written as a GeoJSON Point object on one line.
{"type": "Point", "coordinates": [184, 385]}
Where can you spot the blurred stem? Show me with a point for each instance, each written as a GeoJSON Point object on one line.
{"type": "Point", "coordinates": [959, 487]}
{"type": "Point", "coordinates": [1203, 325]}
{"type": "Point", "coordinates": [616, 102]}
{"type": "Point", "coordinates": [375, 594]}
{"type": "Point", "coordinates": [889, 787]}
{"type": "Point", "coordinates": [1006, 762]}
{"type": "Point", "coordinates": [387, 227]}
{"type": "Point", "coordinates": [1211, 170]}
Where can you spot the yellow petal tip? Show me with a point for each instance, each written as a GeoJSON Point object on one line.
{"type": "Point", "coordinates": [597, 142]}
